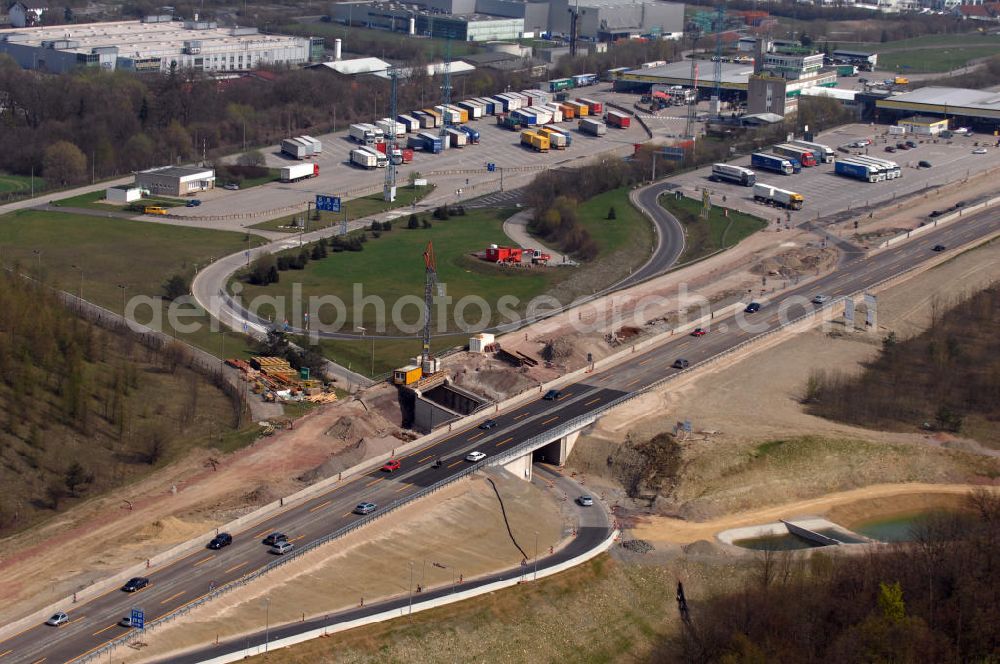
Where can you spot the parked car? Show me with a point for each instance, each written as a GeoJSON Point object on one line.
{"type": "Point", "coordinates": [924, 164]}
{"type": "Point", "coordinates": [939, 247]}
{"type": "Point", "coordinates": [135, 583]}
{"type": "Point", "coordinates": [911, 144]}
{"type": "Point", "coordinates": [391, 465]}
{"type": "Point", "coordinates": [194, 202]}
{"type": "Point", "coordinates": [231, 186]}
{"type": "Point", "coordinates": [364, 508]}
{"type": "Point", "coordinates": [585, 501]}
{"type": "Point", "coordinates": [281, 548]}
{"type": "Point", "coordinates": [681, 363]}
{"type": "Point", "coordinates": [698, 332]}
{"type": "Point", "coordinates": [902, 146]}
{"type": "Point", "coordinates": [890, 148]}
{"type": "Point", "coordinates": [475, 456]}
{"type": "Point", "coordinates": [220, 540]}
{"type": "Point", "coordinates": [552, 395]}
{"type": "Point", "coordinates": [752, 308]}
{"type": "Point", "coordinates": [980, 151]}
{"type": "Point", "coordinates": [820, 299]}
{"type": "Point", "coordinates": [487, 425]}
{"type": "Point", "coordinates": [274, 538]}
{"type": "Point", "coordinates": [57, 619]}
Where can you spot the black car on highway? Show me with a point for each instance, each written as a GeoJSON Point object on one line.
{"type": "Point", "coordinates": [752, 308]}
{"type": "Point", "coordinates": [135, 583]}
{"type": "Point", "coordinates": [274, 538]}
{"type": "Point", "coordinates": [220, 540]}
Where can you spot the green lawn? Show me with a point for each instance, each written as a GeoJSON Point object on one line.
{"type": "Point", "coordinates": [356, 208]}
{"type": "Point", "coordinates": [109, 252]}
{"type": "Point", "coordinates": [95, 201]}
{"type": "Point", "coordinates": [392, 267]}
{"type": "Point", "coordinates": [223, 177]}
{"type": "Point", "coordinates": [923, 42]}
{"type": "Point", "coordinates": [718, 232]}
{"type": "Point", "coordinates": [614, 234]}
{"type": "Point", "coordinates": [930, 53]}
{"type": "Point", "coordinates": [19, 184]}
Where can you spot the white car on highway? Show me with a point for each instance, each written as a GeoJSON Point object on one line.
{"type": "Point", "coordinates": [475, 456]}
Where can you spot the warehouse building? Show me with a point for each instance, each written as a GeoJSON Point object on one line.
{"type": "Point", "coordinates": [979, 109]}
{"type": "Point", "coordinates": [175, 180]}
{"type": "Point", "coordinates": [157, 43]}
{"type": "Point", "coordinates": [608, 20]}
{"type": "Point", "coordinates": [432, 22]}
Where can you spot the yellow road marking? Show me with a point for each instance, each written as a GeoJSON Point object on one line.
{"type": "Point", "coordinates": [101, 631]}
{"type": "Point", "coordinates": [455, 464]}
{"type": "Point", "coordinates": [76, 620]}
{"type": "Point", "coordinates": [39, 661]}
{"type": "Point", "coordinates": [404, 487]}
{"type": "Point", "coordinates": [633, 382]}
{"type": "Point", "coordinates": [346, 514]}
{"type": "Point", "coordinates": [478, 435]}
{"type": "Point", "coordinates": [429, 456]}
{"type": "Point", "coordinates": [374, 482]}
{"type": "Point", "coordinates": [505, 441]}
{"type": "Point", "coordinates": [5, 653]}
{"type": "Point", "coordinates": [522, 415]}
{"type": "Point", "coordinates": [173, 597]}
{"type": "Point", "coordinates": [296, 539]}
{"type": "Point", "coordinates": [203, 561]}
{"type": "Point", "coordinates": [320, 506]}
{"type": "Point", "coordinates": [592, 401]}
{"type": "Point", "coordinates": [235, 567]}
{"type": "Point", "coordinates": [551, 419]}
{"type": "Point", "coordinates": [648, 359]}
{"type": "Point", "coordinates": [262, 533]}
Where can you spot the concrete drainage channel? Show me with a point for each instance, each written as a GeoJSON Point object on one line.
{"type": "Point", "coordinates": [791, 535]}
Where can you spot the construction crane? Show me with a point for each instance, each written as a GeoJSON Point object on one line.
{"type": "Point", "coordinates": [389, 191]}
{"type": "Point", "coordinates": [446, 93]}
{"type": "Point", "coordinates": [720, 25]}
{"type": "Point", "coordinates": [430, 281]}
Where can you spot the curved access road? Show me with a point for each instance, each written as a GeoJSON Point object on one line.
{"type": "Point", "coordinates": [93, 623]}
{"type": "Point", "coordinates": [670, 239]}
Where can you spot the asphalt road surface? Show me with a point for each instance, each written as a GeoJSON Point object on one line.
{"type": "Point", "coordinates": [94, 623]}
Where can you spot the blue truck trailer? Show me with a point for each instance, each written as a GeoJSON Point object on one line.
{"type": "Point", "coordinates": [770, 162]}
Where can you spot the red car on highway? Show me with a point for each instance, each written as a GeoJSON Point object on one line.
{"type": "Point", "coordinates": [699, 332]}
{"type": "Point", "coordinates": [391, 465]}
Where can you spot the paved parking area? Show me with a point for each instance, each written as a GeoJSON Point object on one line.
{"type": "Point", "coordinates": [827, 194]}
{"type": "Point", "coordinates": [337, 176]}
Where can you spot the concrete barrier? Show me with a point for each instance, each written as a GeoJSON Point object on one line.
{"type": "Point", "coordinates": [417, 607]}
{"type": "Point", "coordinates": [940, 221]}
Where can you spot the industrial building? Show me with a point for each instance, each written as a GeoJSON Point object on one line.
{"type": "Point", "coordinates": [175, 180]}
{"type": "Point", "coordinates": [979, 109]}
{"type": "Point", "coordinates": [157, 43]}
{"type": "Point", "coordinates": [793, 65]}
{"type": "Point", "coordinates": [488, 20]}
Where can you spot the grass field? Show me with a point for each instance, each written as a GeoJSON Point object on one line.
{"type": "Point", "coordinates": [19, 184]}
{"type": "Point", "coordinates": [356, 208]}
{"type": "Point", "coordinates": [931, 53]}
{"type": "Point", "coordinates": [273, 175]}
{"type": "Point", "coordinates": [109, 252]}
{"type": "Point", "coordinates": [392, 267]}
{"type": "Point", "coordinates": [362, 357]}
{"type": "Point", "coordinates": [95, 201]}
{"type": "Point", "coordinates": [613, 235]}
{"type": "Point", "coordinates": [719, 232]}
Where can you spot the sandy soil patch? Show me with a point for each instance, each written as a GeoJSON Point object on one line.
{"type": "Point", "coordinates": [457, 531]}
{"type": "Point", "coordinates": [844, 508]}
{"type": "Point", "coordinates": [70, 551]}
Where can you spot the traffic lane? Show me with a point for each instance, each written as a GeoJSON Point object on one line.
{"type": "Point", "coordinates": [671, 236]}
{"type": "Point", "coordinates": [883, 263]}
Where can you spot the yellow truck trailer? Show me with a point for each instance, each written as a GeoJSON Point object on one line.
{"type": "Point", "coordinates": [535, 141]}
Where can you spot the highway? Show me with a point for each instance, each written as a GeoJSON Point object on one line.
{"type": "Point", "coordinates": [94, 622]}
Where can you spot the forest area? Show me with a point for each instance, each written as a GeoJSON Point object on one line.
{"type": "Point", "coordinates": [945, 379]}
{"type": "Point", "coordinates": [85, 409]}
{"type": "Point", "coordinates": [931, 600]}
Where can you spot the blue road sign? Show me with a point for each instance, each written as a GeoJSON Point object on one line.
{"type": "Point", "coordinates": [138, 618]}
{"type": "Point", "coordinates": [491, 167]}
{"type": "Point", "coordinates": [328, 203]}
{"type": "Point", "coordinates": [674, 154]}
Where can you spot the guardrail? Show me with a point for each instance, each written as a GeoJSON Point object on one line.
{"type": "Point", "coordinates": [944, 219]}
{"type": "Point", "coordinates": [532, 443]}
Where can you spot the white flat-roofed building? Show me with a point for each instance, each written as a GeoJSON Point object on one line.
{"type": "Point", "coordinates": [154, 45]}
{"type": "Point", "coordinates": [175, 180]}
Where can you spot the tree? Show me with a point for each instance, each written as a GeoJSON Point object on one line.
{"type": "Point", "coordinates": [413, 222]}
{"type": "Point", "coordinates": [63, 163]}
{"type": "Point", "coordinates": [319, 251]}
{"type": "Point", "coordinates": [611, 213]}
{"type": "Point", "coordinates": [175, 287]}
{"type": "Point", "coordinates": [76, 476]}
{"type": "Point", "coordinates": [427, 223]}
{"type": "Point", "coordinates": [261, 270]}
{"type": "Point", "coordinates": [251, 158]}
{"type": "Point", "coordinates": [890, 601]}
{"type": "Point", "coordinates": [55, 492]}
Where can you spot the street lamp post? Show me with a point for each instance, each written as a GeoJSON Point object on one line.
{"type": "Point", "coordinates": [411, 588]}
{"type": "Point", "coordinates": [363, 332]}
{"type": "Point", "coordinates": [38, 256]}
{"type": "Point", "coordinates": [80, 270]}
{"type": "Point", "coordinates": [123, 287]}
{"type": "Point", "coordinates": [536, 556]}
{"type": "Point", "coordinates": [267, 622]}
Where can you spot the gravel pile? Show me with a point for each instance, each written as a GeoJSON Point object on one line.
{"type": "Point", "coordinates": [637, 546]}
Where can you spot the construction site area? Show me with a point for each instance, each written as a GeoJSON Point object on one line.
{"type": "Point", "coordinates": [274, 379]}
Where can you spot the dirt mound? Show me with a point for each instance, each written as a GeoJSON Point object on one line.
{"type": "Point", "coordinates": [796, 262]}
{"type": "Point", "coordinates": [703, 548]}
{"type": "Point", "coordinates": [262, 495]}
{"type": "Point", "coordinates": [347, 457]}
{"type": "Point", "coordinates": [171, 528]}
{"type": "Point", "coordinates": [557, 350]}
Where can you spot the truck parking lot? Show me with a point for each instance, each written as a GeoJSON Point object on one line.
{"type": "Point", "coordinates": [498, 146]}
{"type": "Point", "coordinates": [826, 194]}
